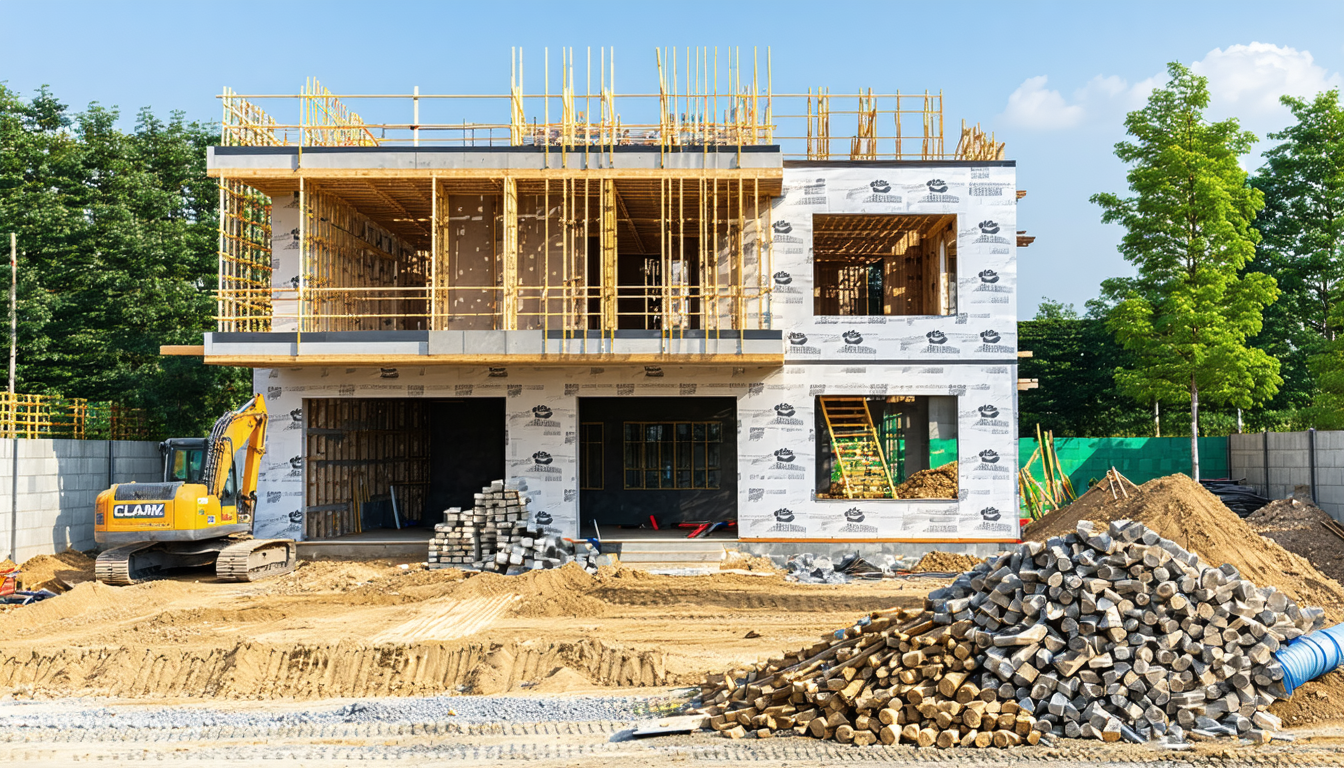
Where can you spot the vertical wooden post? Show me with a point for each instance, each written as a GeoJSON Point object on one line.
{"type": "Point", "coordinates": [510, 254]}
{"type": "Point", "coordinates": [433, 253]}
{"type": "Point", "coordinates": [608, 204]}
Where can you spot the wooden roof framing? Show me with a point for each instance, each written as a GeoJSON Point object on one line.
{"type": "Point", "coordinates": [864, 237]}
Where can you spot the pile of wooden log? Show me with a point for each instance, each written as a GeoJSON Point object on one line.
{"type": "Point", "coordinates": [1113, 632]}
{"type": "Point", "coordinates": [895, 677]}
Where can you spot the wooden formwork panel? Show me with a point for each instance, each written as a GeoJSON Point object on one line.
{"type": "Point", "coordinates": [357, 450]}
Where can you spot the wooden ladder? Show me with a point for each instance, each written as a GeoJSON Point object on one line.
{"type": "Point", "coordinates": [855, 444]}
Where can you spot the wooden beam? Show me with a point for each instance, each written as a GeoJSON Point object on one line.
{"type": "Point", "coordinates": [1024, 353]}
{"type": "Point", "coordinates": [608, 241]}
{"type": "Point", "coordinates": [1023, 239]}
{"type": "Point", "coordinates": [182, 350]}
{"type": "Point", "coordinates": [510, 254]}
{"type": "Point", "coordinates": [766, 175]}
{"type": "Point", "coordinates": [1024, 384]}
{"type": "Point", "coordinates": [501, 359]}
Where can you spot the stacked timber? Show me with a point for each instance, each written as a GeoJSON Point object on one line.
{"type": "Point", "coordinates": [895, 677]}
{"type": "Point", "coordinates": [1115, 632]}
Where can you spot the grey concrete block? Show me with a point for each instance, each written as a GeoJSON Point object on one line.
{"type": "Point", "coordinates": [483, 342]}
{"type": "Point", "coordinates": [445, 343]}
{"type": "Point", "coordinates": [524, 342]}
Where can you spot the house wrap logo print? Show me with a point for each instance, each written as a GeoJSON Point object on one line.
{"type": "Point", "coordinates": [544, 518]}
{"type": "Point", "coordinates": [988, 412]}
{"type": "Point", "coordinates": [854, 515]}
{"type": "Point", "coordinates": [990, 336]}
{"type": "Point", "coordinates": [852, 338]}
{"type": "Point", "coordinates": [880, 186]}
{"type": "Point", "coordinates": [936, 337]}
{"type": "Point", "coordinates": [989, 456]}
{"type": "Point", "coordinates": [989, 227]}
{"type": "Point", "coordinates": [989, 276]}
{"type": "Point", "coordinates": [783, 278]}
{"type": "Point", "coordinates": [785, 456]}
{"type": "Point", "coordinates": [797, 339]}
{"type": "Point", "coordinates": [785, 410]}
{"type": "Point", "coordinates": [542, 412]}
{"type": "Point", "coordinates": [990, 514]}
{"type": "Point", "coordinates": [542, 458]}
{"type": "Point", "coordinates": [784, 515]}
{"type": "Point", "coordinates": [782, 227]}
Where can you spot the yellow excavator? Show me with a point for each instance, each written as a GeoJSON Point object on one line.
{"type": "Point", "coordinates": [201, 513]}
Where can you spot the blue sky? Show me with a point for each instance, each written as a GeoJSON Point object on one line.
{"type": "Point", "coordinates": [1052, 80]}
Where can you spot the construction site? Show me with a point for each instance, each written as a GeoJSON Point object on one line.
{"type": "Point", "coordinates": [594, 427]}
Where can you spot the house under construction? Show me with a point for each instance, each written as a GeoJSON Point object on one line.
{"type": "Point", "coordinates": [707, 302]}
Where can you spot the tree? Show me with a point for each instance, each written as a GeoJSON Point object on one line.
{"type": "Point", "coordinates": [1074, 359]}
{"type": "Point", "coordinates": [117, 239]}
{"type": "Point", "coordinates": [1188, 227]}
{"type": "Point", "coordinates": [1303, 247]}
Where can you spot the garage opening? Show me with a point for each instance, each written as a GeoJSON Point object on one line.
{"type": "Point", "coordinates": [395, 463]}
{"type": "Point", "coordinates": [658, 465]}
{"type": "Point", "coordinates": [884, 264]}
{"type": "Point", "coordinates": [884, 447]}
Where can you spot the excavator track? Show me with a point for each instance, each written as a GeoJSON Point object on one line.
{"type": "Point", "coordinates": [254, 559]}
{"type": "Point", "coordinates": [116, 565]}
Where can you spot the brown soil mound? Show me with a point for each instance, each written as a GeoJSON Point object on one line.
{"type": "Point", "coordinates": [57, 573]}
{"type": "Point", "coordinates": [741, 561]}
{"type": "Point", "coordinates": [945, 562]}
{"type": "Point", "coordinates": [375, 629]}
{"type": "Point", "coordinates": [1180, 509]}
{"type": "Point", "coordinates": [1297, 526]}
{"type": "Point", "coordinates": [936, 483]}
{"type": "Point", "coordinates": [1317, 701]}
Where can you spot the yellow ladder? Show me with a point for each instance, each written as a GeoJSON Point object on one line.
{"type": "Point", "coordinates": [856, 447]}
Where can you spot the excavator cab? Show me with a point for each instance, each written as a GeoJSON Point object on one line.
{"type": "Point", "coordinates": [201, 513]}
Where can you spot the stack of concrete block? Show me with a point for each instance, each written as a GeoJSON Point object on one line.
{"type": "Point", "coordinates": [1114, 632]}
{"type": "Point", "coordinates": [494, 536]}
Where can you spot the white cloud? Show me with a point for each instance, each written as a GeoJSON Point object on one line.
{"type": "Point", "coordinates": [1032, 105]}
{"type": "Point", "coordinates": [1245, 81]}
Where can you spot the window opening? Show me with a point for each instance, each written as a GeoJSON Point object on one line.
{"type": "Point", "coordinates": [672, 455]}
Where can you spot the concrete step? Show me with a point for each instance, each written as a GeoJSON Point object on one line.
{"type": "Point", "coordinates": [668, 556]}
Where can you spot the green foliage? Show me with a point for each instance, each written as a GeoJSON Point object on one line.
{"type": "Point", "coordinates": [1303, 229]}
{"type": "Point", "coordinates": [1075, 360]}
{"type": "Point", "coordinates": [1191, 309]}
{"type": "Point", "coordinates": [117, 255]}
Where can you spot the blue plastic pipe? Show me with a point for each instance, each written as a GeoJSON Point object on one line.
{"type": "Point", "coordinates": [1310, 656]}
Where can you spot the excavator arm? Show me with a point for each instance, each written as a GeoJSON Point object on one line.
{"type": "Point", "coordinates": [232, 431]}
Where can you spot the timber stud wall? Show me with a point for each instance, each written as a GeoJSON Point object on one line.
{"type": "Point", "coordinates": [356, 451]}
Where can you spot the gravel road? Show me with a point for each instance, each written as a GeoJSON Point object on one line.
{"type": "Point", "coordinates": [544, 731]}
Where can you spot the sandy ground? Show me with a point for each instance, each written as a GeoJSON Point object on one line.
{"type": "Point", "coordinates": [374, 628]}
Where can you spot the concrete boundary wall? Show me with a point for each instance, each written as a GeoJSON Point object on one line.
{"type": "Point", "coordinates": [1311, 458]}
{"type": "Point", "coordinates": [58, 483]}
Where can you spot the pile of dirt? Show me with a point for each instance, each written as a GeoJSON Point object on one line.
{"type": "Point", "coordinates": [936, 483]}
{"type": "Point", "coordinates": [734, 560]}
{"type": "Point", "coordinates": [1298, 526]}
{"type": "Point", "coordinates": [1178, 508]}
{"type": "Point", "coordinates": [57, 573]}
{"type": "Point", "coordinates": [945, 562]}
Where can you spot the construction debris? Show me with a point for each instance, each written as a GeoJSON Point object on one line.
{"type": "Point", "coordinates": [1108, 632]}
{"type": "Point", "coordinates": [936, 483]}
{"type": "Point", "coordinates": [1305, 529]}
{"type": "Point", "coordinates": [1239, 498]}
{"type": "Point", "coordinates": [495, 536]}
{"type": "Point", "coordinates": [1114, 632]}
{"type": "Point", "coordinates": [895, 677]}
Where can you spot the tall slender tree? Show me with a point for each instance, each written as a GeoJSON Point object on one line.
{"type": "Point", "coordinates": [1303, 247]}
{"type": "Point", "coordinates": [1188, 232]}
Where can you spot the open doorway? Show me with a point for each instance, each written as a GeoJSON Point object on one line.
{"type": "Point", "coordinates": [891, 447]}
{"type": "Point", "coordinates": [658, 465]}
{"type": "Point", "coordinates": [375, 464]}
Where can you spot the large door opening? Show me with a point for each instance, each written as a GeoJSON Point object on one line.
{"type": "Point", "coordinates": [670, 459]}
{"type": "Point", "coordinates": [388, 463]}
